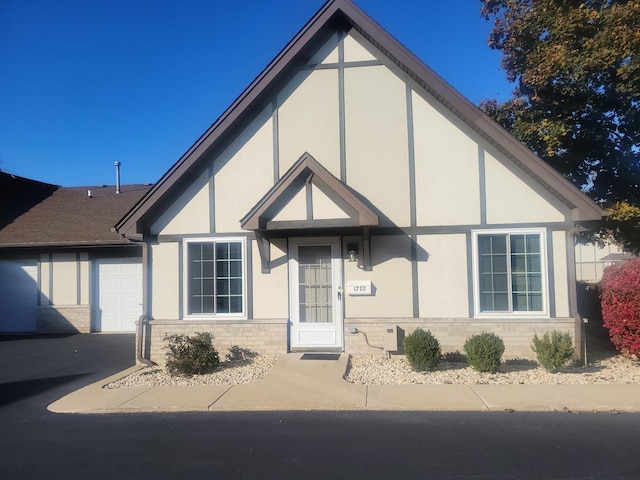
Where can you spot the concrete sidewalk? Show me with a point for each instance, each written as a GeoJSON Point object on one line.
{"type": "Point", "coordinates": [296, 384]}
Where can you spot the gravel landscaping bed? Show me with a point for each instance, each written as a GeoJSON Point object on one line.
{"type": "Point", "coordinates": [228, 373]}
{"type": "Point", "coordinates": [371, 370]}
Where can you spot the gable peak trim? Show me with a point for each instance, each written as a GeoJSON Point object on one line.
{"type": "Point", "coordinates": [307, 170]}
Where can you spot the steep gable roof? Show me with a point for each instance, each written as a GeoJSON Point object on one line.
{"type": "Point", "coordinates": [346, 15]}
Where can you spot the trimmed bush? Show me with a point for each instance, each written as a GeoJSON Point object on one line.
{"type": "Point", "coordinates": [422, 350]}
{"type": "Point", "coordinates": [191, 355]}
{"type": "Point", "coordinates": [620, 300]}
{"type": "Point", "coordinates": [553, 351]}
{"type": "Point", "coordinates": [238, 354]}
{"type": "Point", "coordinates": [484, 352]}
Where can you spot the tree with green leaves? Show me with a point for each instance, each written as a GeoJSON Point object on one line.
{"type": "Point", "coordinates": [576, 103]}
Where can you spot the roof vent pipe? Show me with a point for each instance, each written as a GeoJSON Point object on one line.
{"type": "Point", "coordinates": [117, 164]}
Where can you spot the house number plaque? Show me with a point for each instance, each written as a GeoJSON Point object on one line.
{"type": "Point", "coordinates": [359, 287]}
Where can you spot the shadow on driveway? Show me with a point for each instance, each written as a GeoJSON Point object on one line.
{"type": "Point", "coordinates": [36, 370]}
{"type": "Point", "coordinates": [14, 391]}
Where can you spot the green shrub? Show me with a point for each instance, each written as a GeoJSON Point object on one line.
{"type": "Point", "coordinates": [553, 351]}
{"type": "Point", "coordinates": [239, 355]}
{"type": "Point", "coordinates": [484, 352]}
{"type": "Point", "coordinates": [422, 350]}
{"type": "Point", "coordinates": [191, 355]}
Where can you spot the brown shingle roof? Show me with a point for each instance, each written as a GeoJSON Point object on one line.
{"type": "Point", "coordinates": [39, 214]}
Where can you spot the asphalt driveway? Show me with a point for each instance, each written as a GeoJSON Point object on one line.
{"type": "Point", "coordinates": [37, 370]}
{"type": "Point", "coordinates": [35, 443]}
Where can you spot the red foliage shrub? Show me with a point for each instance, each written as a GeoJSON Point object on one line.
{"type": "Point", "coordinates": [620, 300]}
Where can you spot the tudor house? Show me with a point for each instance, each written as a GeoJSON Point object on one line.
{"type": "Point", "coordinates": [349, 196]}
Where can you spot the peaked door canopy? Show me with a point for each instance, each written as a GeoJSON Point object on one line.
{"type": "Point", "coordinates": [346, 16]}
{"type": "Point", "coordinates": [348, 210]}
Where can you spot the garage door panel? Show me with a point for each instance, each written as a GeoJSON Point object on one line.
{"type": "Point", "coordinates": [129, 284]}
{"type": "Point", "coordinates": [130, 302]}
{"type": "Point", "coordinates": [119, 296]}
{"type": "Point", "coordinates": [18, 296]}
{"type": "Point", "coordinates": [131, 269]}
{"type": "Point", "coordinates": [109, 284]}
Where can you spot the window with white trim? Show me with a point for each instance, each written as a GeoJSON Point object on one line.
{"type": "Point", "coordinates": [510, 274]}
{"type": "Point", "coordinates": [215, 277]}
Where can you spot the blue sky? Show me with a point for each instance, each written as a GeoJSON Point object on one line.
{"type": "Point", "coordinates": [87, 82]}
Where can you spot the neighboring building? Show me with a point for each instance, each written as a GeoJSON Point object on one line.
{"type": "Point", "coordinates": [592, 259]}
{"type": "Point", "coordinates": [62, 269]}
{"type": "Point", "coordinates": [348, 194]}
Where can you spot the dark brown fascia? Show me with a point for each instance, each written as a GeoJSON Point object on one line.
{"type": "Point", "coordinates": [69, 244]}
{"type": "Point", "coordinates": [307, 168]}
{"type": "Point", "coordinates": [406, 61]}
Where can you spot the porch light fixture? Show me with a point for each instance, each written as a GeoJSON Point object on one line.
{"type": "Point", "coordinates": [352, 250]}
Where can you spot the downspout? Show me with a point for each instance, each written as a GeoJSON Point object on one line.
{"type": "Point", "coordinates": [579, 328]}
{"type": "Point", "coordinates": [143, 321]}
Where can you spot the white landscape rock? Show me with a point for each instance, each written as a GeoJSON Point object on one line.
{"type": "Point", "coordinates": [228, 373]}
{"type": "Point", "coordinates": [375, 370]}
{"type": "Point", "coordinates": [382, 371]}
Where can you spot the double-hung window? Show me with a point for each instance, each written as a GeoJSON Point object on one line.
{"type": "Point", "coordinates": [510, 273]}
{"type": "Point", "coordinates": [215, 277]}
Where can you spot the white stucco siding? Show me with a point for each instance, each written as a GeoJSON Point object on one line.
{"type": "Point", "coordinates": [309, 121]}
{"type": "Point", "coordinates": [243, 173]}
{"type": "Point", "coordinates": [443, 287]}
{"type": "Point", "coordinates": [377, 164]}
{"type": "Point", "coordinates": [446, 166]}
{"type": "Point", "coordinates": [513, 197]}
{"type": "Point", "coordinates": [324, 207]}
{"type": "Point", "coordinates": [561, 273]}
{"type": "Point", "coordinates": [165, 278]}
{"type": "Point", "coordinates": [295, 209]}
{"type": "Point", "coordinates": [355, 52]}
{"type": "Point", "coordinates": [390, 277]}
{"type": "Point", "coordinates": [65, 278]}
{"type": "Point", "coordinates": [271, 290]}
{"type": "Point", "coordinates": [85, 272]}
{"type": "Point", "coordinates": [328, 53]}
{"type": "Point", "coordinates": [189, 213]}
{"type": "Point", "coordinates": [45, 283]}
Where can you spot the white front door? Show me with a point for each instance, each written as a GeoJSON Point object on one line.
{"type": "Point", "coordinates": [315, 284]}
{"type": "Point", "coordinates": [119, 295]}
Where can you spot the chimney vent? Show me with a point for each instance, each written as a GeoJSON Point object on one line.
{"type": "Point", "coordinates": [117, 164]}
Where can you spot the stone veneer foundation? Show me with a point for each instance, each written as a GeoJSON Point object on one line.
{"type": "Point", "coordinates": [517, 334]}
{"type": "Point", "coordinates": [267, 337]}
{"type": "Point", "coordinates": [63, 319]}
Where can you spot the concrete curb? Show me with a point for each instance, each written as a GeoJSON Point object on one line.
{"type": "Point", "coordinates": [296, 385]}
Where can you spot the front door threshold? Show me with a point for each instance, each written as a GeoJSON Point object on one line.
{"type": "Point", "coordinates": [316, 350]}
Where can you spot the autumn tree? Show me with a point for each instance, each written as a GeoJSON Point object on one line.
{"type": "Point", "coordinates": [576, 102]}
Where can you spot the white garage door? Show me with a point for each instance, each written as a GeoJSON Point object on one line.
{"type": "Point", "coordinates": [18, 296]}
{"type": "Point", "coordinates": [119, 295]}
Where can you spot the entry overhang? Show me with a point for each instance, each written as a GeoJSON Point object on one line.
{"type": "Point", "coordinates": [306, 173]}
